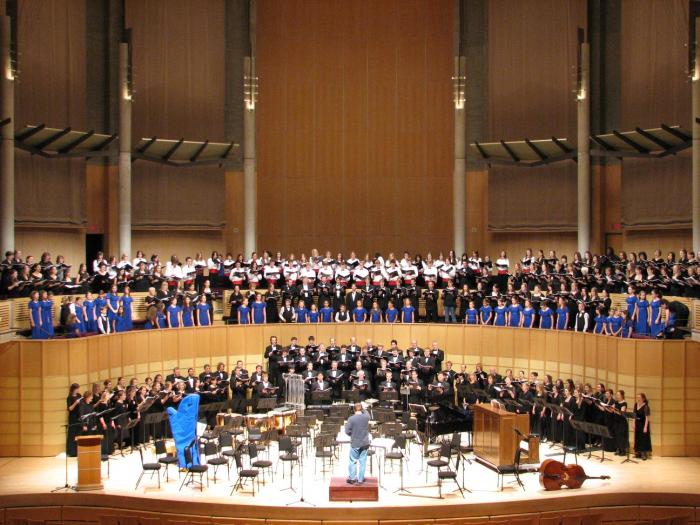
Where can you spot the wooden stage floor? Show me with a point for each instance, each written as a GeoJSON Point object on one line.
{"type": "Point", "coordinates": [658, 481]}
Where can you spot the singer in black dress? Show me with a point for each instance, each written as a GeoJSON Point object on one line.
{"type": "Point", "coordinates": [73, 430]}
{"type": "Point", "coordinates": [642, 428]}
{"type": "Point", "coordinates": [620, 424]}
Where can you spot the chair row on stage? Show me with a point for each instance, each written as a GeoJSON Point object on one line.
{"type": "Point", "coordinates": [256, 453]}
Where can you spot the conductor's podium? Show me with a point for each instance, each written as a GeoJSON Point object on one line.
{"type": "Point", "coordinates": [495, 441]}
{"type": "Point", "coordinates": [341, 491]}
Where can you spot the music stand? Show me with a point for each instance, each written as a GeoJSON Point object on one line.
{"type": "Point", "coordinates": [566, 412]}
{"type": "Point", "coordinates": [319, 396]}
{"type": "Point", "coordinates": [302, 499]}
{"type": "Point", "coordinates": [540, 403]}
{"type": "Point", "coordinates": [418, 409]}
{"type": "Point", "coordinates": [165, 421]}
{"type": "Point", "coordinates": [554, 411]}
{"type": "Point", "coordinates": [351, 396]}
{"type": "Point", "coordinates": [579, 426]}
{"type": "Point", "coordinates": [150, 419]}
{"type": "Point", "coordinates": [382, 417]}
{"type": "Point", "coordinates": [593, 429]}
{"type": "Point", "coordinates": [389, 396]}
{"type": "Point", "coordinates": [514, 405]}
{"type": "Point", "coordinates": [481, 394]}
{"type": "Point", "coordinates": [120, 421]}
{"type": "Point", "coordinates": [143, 409]}
{"type": "Point", "coordinates": [130, 426]}
{"type": "Point", "coordinates": [467, 388]}
{"type": "Point", "coordinates": [426, 370]}
{"type": "Point", "coordinates": [526, 405]}
{"type": "Point", "coordinates": [629, 415]}
{"type": "Point", "coordinates": [216, 407]}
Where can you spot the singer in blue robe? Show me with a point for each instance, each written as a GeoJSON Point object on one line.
{"type": "Point", "coordinates": [546, 315]}
{"type": "Point", "coordinates": [471, 316]}
{"type": "Point", "coordinates": [326, 314]}
{"type": "Point", "coordinates": [183, 424]}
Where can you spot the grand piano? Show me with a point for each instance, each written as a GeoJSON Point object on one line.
{"type": "Point", "coordinates": [441, 419]}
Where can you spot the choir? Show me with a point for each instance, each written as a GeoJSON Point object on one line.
{"type": "Point", "coordinates": [547, 292]}
{"type": "Point", "coordinates": [414, 375]}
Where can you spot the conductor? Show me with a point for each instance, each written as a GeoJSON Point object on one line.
{"type": "Point", "coordinates": [357, 428]}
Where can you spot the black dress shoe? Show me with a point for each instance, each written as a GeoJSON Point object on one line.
{"type": "Point", "coordinates": [350, 481]}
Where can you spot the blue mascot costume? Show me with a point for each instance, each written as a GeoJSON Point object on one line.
{"type": "Point", "coordinates": [183, 423]}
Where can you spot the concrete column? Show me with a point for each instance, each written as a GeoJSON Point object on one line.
{"type": "Point", "coordinates": [250, 183]}
{"type": "Point", "coordinates": [584, 157]}
{"type": "Point", "coordinates": [459, 193]}
{"type": "Point", "coordinates": [124, 151]}
{"type": "Point", "coordinates": [7, 148]}
{"type": "Point", "coordinates": [696, 141]}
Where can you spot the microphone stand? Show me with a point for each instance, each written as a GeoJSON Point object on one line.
{"type": "Point", "coordinates": [65, 485]}
{"type": "Point", "coordinates": [83, 420]}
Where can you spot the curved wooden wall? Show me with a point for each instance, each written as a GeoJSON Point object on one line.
{"type": "Point", "coordinates": [565, 508]}
{"type": "Point", "coordinates": [35, 374]}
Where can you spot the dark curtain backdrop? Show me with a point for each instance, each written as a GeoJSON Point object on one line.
{"type": "Point", "coordinates": [178, 60]}
{"type": "Point", "coordinates": [50, 90]}
{"type": "Point", "coordinates": [532, 49]}
{"type": "Point", "coordinates": [355, 125]}
{"type": "Point", "coordinates": [655, 89]}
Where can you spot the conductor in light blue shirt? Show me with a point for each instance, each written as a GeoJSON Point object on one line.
{"type": "Point", "coordinates": [357, 427]}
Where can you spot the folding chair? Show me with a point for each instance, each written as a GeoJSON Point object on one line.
{"type": "Point", "coordinates": [244, 474]}
{"type": "Point", "coordinates": [193, 470]}
{"type": "Point", "coordinates": [153, 468]}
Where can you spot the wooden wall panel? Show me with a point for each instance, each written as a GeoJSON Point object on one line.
{"type": "Point", "coordinates": [490, 243]}
{"type": "Point", "coordinates": [51, 90]}
{"type": "Point", "coordinates": [354, 125]}
{"type": "Point", "coordinates": [69, 243]}
{"type": "Point", "coordinates": [10, 402]}
{"type": "Point", "coordinates": [515, 243]}
{"type": "Point", "coordinates": [655, 89]}
{"type": "Point", "coordinates": [664, 240]}
{"type": "Point", "coordinates": [654, 78]}
{"type": "Point", "coordinates": [178, 64]}
{"type": "Point", "coordinates": [387, 124]}
{"type": "Point", "coordinates": [692, 421]}
{"type": "Point", "coordinates": [181, 243]}
{"type": "Point", "coordinates": [96, 195]}
{"type": "Point", "coordinates": [532, 47]}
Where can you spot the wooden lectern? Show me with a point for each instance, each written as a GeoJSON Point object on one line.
{"type": "Point", "coordinates": [494, 440]}
{"type": "Point", "coordinates": [89, 462]}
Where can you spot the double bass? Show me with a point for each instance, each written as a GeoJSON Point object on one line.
{"type": "Point", "coordinates": [554, 475]}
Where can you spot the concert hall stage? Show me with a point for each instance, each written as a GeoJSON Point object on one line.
{"type": "Point", "coordinates": [661, 487]}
